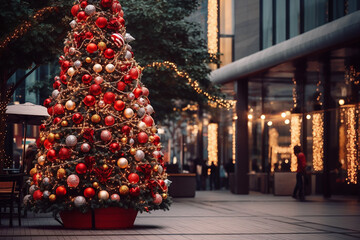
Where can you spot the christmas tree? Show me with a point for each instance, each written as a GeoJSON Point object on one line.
{"type": "Point", "coordinates": [99, 147]}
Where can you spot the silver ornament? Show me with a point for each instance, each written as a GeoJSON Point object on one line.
{"type": "Point", "coordinates": [55, 93]}
{"type": "Point", "coordinates": [46, 194]}
{"type": "Point", "coordinates": [139, 155]}
{"type": "Point", "coordinates": [97, 68]}
{"type": "Point", "coordinates": [131, 141]}
{"type": "Point", "coordinates": [167, 182]}
{"type": "Point", "coordinates": [73, 24]}
{"type": "Point", "coordinates": [79, 201]}
{"type": "Point", "coordinates": [71, 71]}
{"type": "Point", "coordinates": [141, 112]}
{"type": "Point", "coordinates": [32, 189]}
{"type": "Point", "coordinates": [110, 68]}
{"type": "Point", "coordinates": [128, 55]}
{"type": "Point", "coordinates": [71, 141]}
{"type": "Point", "coordinates": [160, 169]}
{"type": "Point", "coordinates": [46, 181]}
{"type": "Point", "coordinates": [141, 101]}
{"type": "Point", "coordinates": [128, 113]}
{"type": "Point", "coordinates": [131, 96]}
{"type": "Point", "coordinates": [142, 125]}
{"type": "Point", "coordinates": [90, 10]}
{"type": "Point", "coordinates": [149, 109]}
{"type": "Point", "coordinates": [85, 147]}
{"type": "Point", "coordinates": [72, 51]}
{"type": "Point", "coordinates": [129, 38]}
{"type": "Point", "coordinates": [77, 64]}
{"type": "Point", "coordinates": [26, 199]}
{"type": "Point", "coordinates": [128, 47]}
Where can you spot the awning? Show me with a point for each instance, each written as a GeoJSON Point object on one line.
{"type": "Point", "coordinates": [341, 31]}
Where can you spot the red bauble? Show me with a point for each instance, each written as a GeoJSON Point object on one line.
{"type": "Point", "coordinates": [89, 35]}
{"type": "Point", "coordinates": [75, 9]}
{"type": "Point", "coordinates": [77, 118]}
{"type": "Point", "coordinates": [51, 155]}
{"type": "Point", "coordinates": [109, 53]}
{"type": "Point", "coordinates": [134, 191]}
{"type": "Point", "coordinates": [56, 84]}
{"type": "Point", "coordinates": [50, 111]}
{"type": "Point", "coordinates": [63, 79]}
{"type": "Point", "coordinates": [37, 195]}
{"type": "Point", "coordinates": [161, 182]}
{"type": "Point", "coordinates": [127, 79]}
{"type": "Point", "coordinates": [59, 109]}
{"type": "Point", "coordinates": [109, 120]}
{"type": "Point", "coordinates": [105, 135]}
{"type": "Point", "coordinates": [124, 68]}
{"type": "Point", "coordinates": [142, 137]}
{"type": "Point", "coordinates": [86, 78]}
{"type": "Point", "coordinates": [156, 139]}
{"type": "Point", "coordinates": [121, 86]}
{"type": "Point", "coordinates": [119, 105]}
{"type": "Point", "coordinates": [116, 7]}
{"type": "Point", "coordinates": [109, 97]}
{"type": "Point", "coordinates": [91, 47]}
{"type": "Point", "coordinates": [89, 192]}
{"type": "Point", "coordinates": [126, 130]}
{"type": "Point", "coordinates": [81, 15]}
{"type": "Point", "coordinates": [83, 4]}
{"type": "Point", "coordinates": [133, 178]}
{"type": "Point", "coordinates": [101, 22]}
{"type": "Point", "coordinates": [89, 100]}
{"type": "Point", "coordinates": [137, 92]}
{"type": "Point", "coordinates": [36, 177]}
{"type": "Point", "coordinates": [145, 91]}
{"type": "Point", "coordinates": [148, 120]}
{"type": "Point", "coordinates": [47, 102]}
{"type": "Point", "coordinates": [95, 89]}
{"type": "Point", "coordinates": [114, 147]}
{"type": "Point", "coordinates": [65, 65]}
{"type": "Point", "coordinates": [81, 168]}
{"type": "Point", "coordinates": [122, 21]}
{"type": "Point", "coordinates": [48, 145]}
{"type": "Point", "coordinates": [61, 191]}
{"type": "Point", "coordinates": [42, 127]}
{"type": "Point", "coordinates": [106, 3]}
{"type": "Point", "coordinates": [56, 120]}
{"type": "Point", "coordinates": [64, 153]}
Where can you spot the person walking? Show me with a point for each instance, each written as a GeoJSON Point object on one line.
{"type": "Point", "coordinates": [300, 173]}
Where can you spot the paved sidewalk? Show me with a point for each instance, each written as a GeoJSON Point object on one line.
{"type": "Point", "coordinates": [218, 215]}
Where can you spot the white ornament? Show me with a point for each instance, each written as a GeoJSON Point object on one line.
{"type": "Point", "coordinates": [71, 71]}
{"type": "Point", "coordinates": [104, 195]}
{"type": "Point", "coordinates": [131, 141]}
{"type": "Point", "coordinates": [70, 105]}
{"type": "Point", "coordinates": [110, 68]}
{"type": "Point", "coordinates": [139, 155]}
{"type": "Point", "coordinates": [129, 38]}
{"type": "Point", "coordinates": [149, 109]}
{"type": "Point", "coordinates": [98, 80]}
{"type": "Point", "coordinates": [141, 112]}
{"type": "Point", "coordinates": [128, 47]}
{"type": "Point", "coordinates": [131, 96]}
{"type": "Point", "coordinates": [77, 64]}
{"type": "Point", "coordinates": [73, 24]}
{"type": "Point", "coordinates": [128, 113]}
{"type": "Point", "coordinates": [156, 154]}
{"type": "Point", "coordinates": [55, 93]}
{"type": "Point", "coordinates": [46, 194]}
{"type": "Point", "coordinates": [122, 163]}
{"type": "Point", "coordinates": [90, 10]}
{"type": "Point", "coordinates": [32, 189]}
{"type": "Point", "coordinates": [46, 181]}
{"type": "Point", "coordinates": [26, 199]}
{"type": "Point", "coordinates": [85, 147]}
{"type": "Point", "coordinates": [97, 68]}
{"type": "Point", "coordinates": [118, 39]}
{"type": "Point", "coordinates": [136, 106]}
{"type": "Point", "coordinates": [141, 101]}
{"type": "Point", "coordinates": [142, 125]}
{"type": "Point", "coordinates": [101, 103]}
{"type": "Point", "coordinates": [41, 160]}
{"type": "Point", "coordinates": [72, 51]}
{"type": "Point", "coordinates": [73, 180]}
{"type": "Point", "coordinates": [167, 182]}
{"type": "Point", "coordinates": [145, 91]}
{"type": "Point", "coordinates": [160, 169]}
{"type": "Point", "coordinates": [115, 197]}
{"type": "Point", "coordinates": [79, 201]}
{"type": "Point", "coordinates": [158, 199]}
{"type": "Point", "coordinates": [71, 141]}
{"type": "Point", "coordinates": [128, 55]}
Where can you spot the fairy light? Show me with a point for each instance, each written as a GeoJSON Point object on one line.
{"type": "Point", "coordinates": [213, 101]}
{"type": "Point", "coordinates": [212, 26]}
{"type": "Point", "coordinates": [269, 123]}
{"type": "Point", "coordinates": [351, 144]}
{"type": "Point", "coordinates": [283, 115]}
{"type": "Point", "coordinates": [250, 116]}
{"type": "Point", "coordinates": [262, 116]}
{"type": "Point", "coordinates": [234, 141]}
{"type": "Point", "coordinates": [213, 142]}
{"type": "Point", "coordinates": [351, 75]}
{"type": "Point", "coordinates": [341, 102]}
{"type": "Point", "coordinates": [308, 117]}
{"type": "Point", "coordinates": [294, 93]}
{"type": "Point", "coordinates": [295, 130]}
{"type": "Point", "coordinates": [318, 141]}
{"type": "Point", "coordinates": [287, 121]}
{"type": "Point", "coordinates": [25, 26]}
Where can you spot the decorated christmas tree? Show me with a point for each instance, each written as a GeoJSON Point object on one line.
{"type": "Point", "coordinates": [99, 147]}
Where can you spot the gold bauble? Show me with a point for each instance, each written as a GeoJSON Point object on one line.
{"type": "Point", "coordinates": [105, 167]}
{"type": "Point", "coordinates": [132, 151]}
{"type": "Point", "coordinates": [102, 46]}
{"type": "Point", "coordinates": [95, 184]}
{"type": "Point", "coordinates": [124, 140]}
{"type": "Point", "coordinates": [57, 136]}
{"type": "Point", "coordinates": [70, 105]}
{"type": "Point", "coordinates": [124, 190]}
{"type": "Point", "coordinates": [154, 130]}
{"type": "Point", "coordinates": [43, 139]}
{"type": "Point", "coordinates": [64, 123]}
{"type": "Point", "coordinates": [164, 196]}
{"type": "Point", "coordinates": [61, 173]}
{"type": "Point", "coordinates": [52, 197]}
{"type": "Point", "coordinates": [151, 138]}
{"type": "Point", "coordinates": [156, 168]}
{"type": "Point", "coordinates": [95, 118]}
{"type": "Point", "coordinates": [88, 60]}
{"type": "Point", "coordinates": [51, 137]}
{"type": "Point", "coordinates": [33, 171]}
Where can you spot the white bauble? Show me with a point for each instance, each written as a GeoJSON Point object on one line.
{"type": "Point", "coordinates": [141, 112]}
{"type": "Point", "coordinates": [26, 199]}
{"type": "Point", "coordinates": [128, 113]}
{"type": "Point", "coordinates": [103, 194]}
{"type": "Point", "coordinates": [55, 93]}
{"type": "Point", "coordinates": [122, 163]}
{"type": "Point", "coordinates": [142, 125]}
{"type": "Point", "coordinates": [32, 189]}
{"type": "Point", "coordinates": [73, 180]}
{"type": "Point", "coordinates": [73, 24]}
{"type": "Point", "coordinates": [129, 38]}
{"type": "Point", "coordinates": [90, 9]}
{"type": "Point", "coordinates": [110, 68]}
{"type": "Point", "coordinates": [41, 160]}
{"type": "Point", "coordinates": [79, 201]}
{"type": "Point", "coordinates": [71, 71]}
{"type": "Point", "coordinates": [46, 194]}
{"type": "Point", "coordinates": [77, 64]}
{"type": "Point", "coordinates": [149, 109]}
{"type": "Point", "coordinates": [128, 55]}
{"type": "Point", "coordinates": [131, 96]}
{"type": "Point", "coordinates": [71, 141]}
{"type": "Point", "coordinates": [97, 68]}
{"type": "Point", "coordinates": [139, 155]}
{"type": "Point", "coordinates": [46, 181]}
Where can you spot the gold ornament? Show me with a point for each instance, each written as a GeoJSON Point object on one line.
{"type": "Point", "coordinates": [164, 196]}
{"type": "Point", "coordinates": [124, 190]}
{"type": "Point", "coordinates": [51, 137]}
{"type": "Point", "coordinates": [61, 173]}
{"type": "Point", "coordinates": [95, 118]}
{"type": "Point", "coordinates": [43, 139]}
{"type": "Point", "coordinates": [64, 123]}
{"type": "Point", "coordinates": [33, 171]}
{"type": "Point", "coordinates": [88, 60]}
{"type": "Point", "coordinates": [57, 136]}
{"type": "Point", "coordinates": [95, 184]}
{"type": "Point", "coordinates": [124, 140]}
{"type": "Point", "coordinates": [132, 151]}
{"type": "Point", "coordinates": [52, 197]}
{"type": "Point", "coordinates": [70, 105]}
{"type": "Point", "coordinates": [154, 130]}
{"type": "Point", "coordinates": [151, 138]}
{"type": "Point", "coordinates": [156, 168]}
{"type": "Point", "coordinates": [105, 167]}
{"type": "Point", "coordinates": [102, 46]}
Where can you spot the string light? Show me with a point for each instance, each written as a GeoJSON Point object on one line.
{"type": "Point", "coordinates": [212, 23]}
{"type": "Point", "coordinates": [213, 101]}
{"type": "Point", "coordinates": [213, 142]}
{"type": "Point", "coordinates": [351, 75]}
{"type": "Point", "coordinates": [341, 102]}
{"type": "Point", "coordinates": [351, 144]}
{"type": "Point", "coordinates": [318, 140]}
{"type": "Point", "coordinates": [234, 140]}
{"type": "Point", "coordinates": [250, 116]}
{"type": "Point", "coordinates": [25, 26]}
{"type": "Point", "coordinates": [274, 147]}
{"type": "Point", "coordinates": [295, 130]}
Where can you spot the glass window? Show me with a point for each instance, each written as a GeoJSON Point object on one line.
{"type": "Point", "coordinates": [315, 13]}
{"type": "Point", "coordinates": [280, 20]}
{"type": "Point", "coordinates": [267, 24]}
{"type": "Point", "coordinates": [294, 18]}
{"type": "Point", "coordinates": [227, 17]}
{"type": "Point", "coordinates": [353, 5]}
{"type": "Point", "coordinates": [338, 9]}
{"type": "Point", "coordinates": [226, 44]}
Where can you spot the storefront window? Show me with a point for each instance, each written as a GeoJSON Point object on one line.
{"type": "Point", "coordinates": [267, 24]}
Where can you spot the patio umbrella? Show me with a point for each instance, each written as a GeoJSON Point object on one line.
{"type": "Point", "coordinates": [27, 113]}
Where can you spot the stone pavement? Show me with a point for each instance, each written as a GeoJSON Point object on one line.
{"type": "Point", "coordinates": [218, 215]}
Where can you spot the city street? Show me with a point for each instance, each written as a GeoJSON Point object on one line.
{"type": "Point", "coordinates": [218, 215]}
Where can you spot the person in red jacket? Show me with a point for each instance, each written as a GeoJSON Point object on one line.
{"type": "Point", "coordinates": [300, 173]}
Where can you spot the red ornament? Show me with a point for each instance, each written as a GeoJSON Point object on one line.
{"type": "Point", "coordinates": [116, 7]}
{"type": "Point", "coordinates": [47, 102]}
{"type": "Point", "coordinates": [127, 79]}
{"type": "Point", "coordinates": [86, 78]}
{"type": "Point", "coordinates": [101, 22]}
{"type": "Point", "coordinates": [109, 120]}
{"type": "Point", "coordinates": [81, 168]}
{"type": "Point", "coordinates": [56, 84]}
{"type": "Point", "coordinates": [156, 140]}
{"type": "Point", "coordinates": [142, 137]}
{"type": "Point", "coordinates": [161, 182]}
{"type": "Point", "coordinates": [126, 130]}
{"type": "Point", "coordinates": [119, 105]}
{"type": "Point", "coordinates": [133, 178]}
{"type": "Point", "coordinates": [64, 153]}
{"type": "Point", "coordinates": [89, 192]}
{"type": "Point", "coordinates": [77, 118]}
{"type": "Point", "coordinates": [42, 127]}
{"type": "Point", "coordinates": [61, 191]}
{"type": "Point", "coordinates": [137, 92]}
{"type": "Point", "coordinates": [109, 97]}
{"type": "Point", "coordinates": [109, 53]}
{"type": "Point", "coordinates": [105, 135]}
{"type": "Point", "coordinates": [36, 177]}
{"type": "Point", "coordinates": [56, 120]}
{"type": "Point", "coordinates": [59, 109]}
{"type": "Point", "coordinates": [114, 24]}
{"type": "Point", "coordinates": [51, 155]}
{"type": "Point", "coordinates": [81, 15]}
{"type": "Point", "coordinates": [75, 9]}
{"type": "Point", "coordinates": [48, 145]}
{"type": "Point", "coordinates": [91, 47]}
{"type": "Point", "coordinates": [89, 35]}
{"type": "Point", "coordinates": [95, 89]}
{"type": "Point", "coordinates": [65, 65]}
{"type": "Point", "coordinates": [37, 195]}
{"type": "Point", "coordinates": [145, 91]}
{"type": "Point", "coordinates": [124, 68]}
{"type": "Point", "coordinates": [50, 111]}
{"type": "Point", "coordinates": [122, 21]}
{"type": "Point", "coordinates": [148, 120]}
{"type": "Point", "coordinates": [106, 3]}
{"type": "Point", "coordinates": [114, 147]}
{"type": "Point", "coordinates": [63, 79]}
{"type": "Point", "coordinates": [103, 174]}
{"type": "Point", "coordinates": [134, 73]}
{"type": "Point", "coordinates": [121, 86]}
{"type": "Point", "coordinates": [134, 191]}
{"type": "Point", "coordinates": [89, 100]}
{"type": "Point", "coordinates": [83, 4]}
